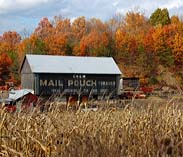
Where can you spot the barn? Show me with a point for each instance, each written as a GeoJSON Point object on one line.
{"type": "Point", "coordinates": [70, 75]}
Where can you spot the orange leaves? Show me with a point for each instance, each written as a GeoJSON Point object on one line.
{"type": "Point", "coordinates": [62, 25]}
{"type": "Point", "coordinates": [83, 48]}
{"type": "Point", "coordinates": [135, 24]}
{"type": "Point", "coordinates": [178, 48]}
{"type": "Point", "coordinates": [158, 39]}
{"type": "Point", "coordinates": [93, 43]}
{"type": "Point", "coordinates": [27, 46]}
{"type": "Point", "coordinates": [104, 39]}
{"type": "Point", "coordinates": [5, 60]}
{"type": "Point", "coordinates": [79, 28]}
{"type": "Point", "coordinates": [125, 42]}
{"type": "Point", "coordinates": [120, 38]}
{"type": "Point", "coordinates": [44, 28]}
{"type": "Point", "coordinates": [9, 41]}
{"type": "Point", "coordinates": [149, 41]}
{"type": "Point", "coordinates": [89, 43]}
{"type": "Point", "coordinates": [131, 39]}
{"type": "Point", "coordinates": [12, 38]}
{"type": "Point", "coordinates": [8, 55]}
{"type": "Point", "coordinates": [56, 44]}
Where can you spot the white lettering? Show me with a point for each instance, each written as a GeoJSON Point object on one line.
{"type": "Point", "coordinates": [43, 83]}
{"type": "Point", "coordinates": [81, 83]}
{"type": "Point", "coordinates": [88, 83]}
{"type": "Point", "coordinates": [70, 83]}
{"type": "Point", "coordinates": [94, 83]}
{"type": "Point", "coordinates": [54, 83]}
{"type": "Point", "coordinates": [51, 83]}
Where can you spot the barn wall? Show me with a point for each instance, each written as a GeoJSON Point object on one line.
{"type": "Point", "coordinates": [27, 81]}
{"type": "Point", "coordinates": [27, 77]}
{"type": "Point", "coordinates": [118, 84]}
{"type": "Point", "coordinates": [86, 84]}
{"type": "Point", "coordinates": [26, 68]}
{"type": "Point", "coordinates": [47, 84]}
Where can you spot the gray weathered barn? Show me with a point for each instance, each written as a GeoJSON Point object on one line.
{"type": "Point", "coordinates": [70, 75]}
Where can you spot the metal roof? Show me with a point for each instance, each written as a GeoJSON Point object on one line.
{"type": "Point", "coordinates": [6, 101]}
{"type": "Point", "coordinates": [16, 94]}
{"type": "Point", "coordinates": [72, 64]}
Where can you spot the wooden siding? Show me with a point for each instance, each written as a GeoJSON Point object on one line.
{"type": "Point", "coordinates": [27, 81]}
{"type": "Point", "coordinates": [27, 77]}
{"type": "Point", "coordinates": [26, 68]}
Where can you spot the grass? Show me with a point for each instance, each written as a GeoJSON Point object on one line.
{"type": "Point", "coordinates": [137, 130]}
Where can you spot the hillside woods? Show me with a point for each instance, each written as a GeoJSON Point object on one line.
{"type": "Point", "coordinates": [149, 48]}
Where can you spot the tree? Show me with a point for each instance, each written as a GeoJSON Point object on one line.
{"type": "Point", "coordinates": [9, 44]}
{"type": "Point", "coordinates": [178, 49]}
{"type": "Point", "coordinates": [62, 39]}
{"type": "Point", "coordinates": [79, 28]}
{"type": "Point", "coordinates": [56, 44]}
{"type": "Point", "coordinates": [5, 63]}
{"type": "Point", "coordinates": [112, 26]}
{"type": "Point", "coordinates": [161, 47]}
{"type": "Point", "coordinates": [9, 41]}
{"type": "Point", "coordinates": [127, 47]}
{"type": "Point", "coordinates": [121, 44]}
{"type": "Point", "coordinates": [32, 45]}
{"type": "Point", "coordinates": [160, 17]}
{"type": "Point", "coordinates": [96, 25]}
{"type": "Point", "coordinates": [62, 25]}
{"type": "Point", "coordinates": [175, 20]}
{"type": "Point", "coordinates": [94, 44]}
{"type": "Point", "coordinates": [44, 28]}
{"type": "Point", "coordinates": [135, 24]}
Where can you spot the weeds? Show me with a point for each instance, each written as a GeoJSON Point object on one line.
{"type": "Point", "coordinates": [149, 130]}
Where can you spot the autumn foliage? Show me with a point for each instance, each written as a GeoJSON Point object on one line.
{"type": "Point", "coordinates": [137, 43]}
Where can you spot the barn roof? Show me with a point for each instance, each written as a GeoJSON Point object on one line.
{"type": "Point", "coordinates": [16, 94]}
{"type": "Point", "coordinates": [72, 64]}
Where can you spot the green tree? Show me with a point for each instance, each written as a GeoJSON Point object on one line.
{"type": "Point", "coordinates": [160, 17]}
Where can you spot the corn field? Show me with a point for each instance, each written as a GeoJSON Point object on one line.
{"type": "Point", "coordinates": [136, 131]}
